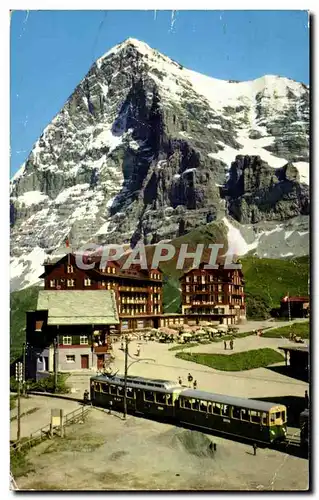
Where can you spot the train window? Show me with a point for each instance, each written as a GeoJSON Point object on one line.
{"type": "Point", "coordinates": [283, 416]}
{"type": "Point", "coordinates": [272, 418]}
{"type": "Point", "coordinates": [105, 388]}
{"type": "Point", "coordinates": [216, 408]}
{"type": "Point", "coordinates": [149, 396]}
{"type": "Point", "coordinates": [160, 398]}
{"type": "Point", "coordinates": [209, 407]}
{"type": "Point", "coordinates": [120, 390]}
{"type": "Point", "coordinates": [264, 418]}
{"type": "Point", "coordinates": [245, 415]}
{"type": "Point", "coordinates": [195, 404]}
{"type": "Point", "coordinates": [236, 412]}
{"type": "Point", "coordinates": [97, 387]}
{"type": "Point", "coordinates": [187, 404]}
{"type": "Point", "coordinates": [203, 406]}
{"type": "Point", "coordinates": [129, 392]}
{"type": "Point", "coordinates": [113, 390]}
{"type": "Point", "coordinates": [278, 415]}
{"type": "Point", "coordinates": [226, 410]}
{"type": "Point", "coordinates": [169, 399]}
{"type": "Point", "coordinates": [255, 416]}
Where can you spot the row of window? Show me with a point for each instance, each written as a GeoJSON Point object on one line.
{"type": "Point", "coordinates": [70, 283]}
{"type": "Point", "coordinates": [212, 300]}
{"type": "Point", "coordinates": [149, 396]}
{"type": "Point", "coordinates": [155, 276]}
{"type": "Point", "coordinates": [67, 340]}
{"type": "Point", "coordinates": [256, 417]}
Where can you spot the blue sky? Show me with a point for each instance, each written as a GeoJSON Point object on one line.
{"type": "Point", "coordinates": [51, 51]}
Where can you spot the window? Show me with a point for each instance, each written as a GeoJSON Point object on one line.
{"type": "Point", "coordinates": [203, 406]}
{"type": "Point", "coordinates": [278, 415]}
{"type": "Point", "coordinates": [283, 416]}
{"type": "Point", "coordinates": [169, 399]}
{"type": "Point", "coordinates": [188, 288]}
{"type": "Point", "coordinates": [105, 388]}
{"type": "Point", "coordinates": [236, 412]}
{"type": "Point", "coordinates": [69, 269]}
{"type": "Point", "coordinates": [87, 282]}
{"type": "Point", "coordinates": [195, 404]}
{"type": "Point", "coordinates": [70, 282]}
{"type": "Point", "coordinates": [70, 358]}
{"type": "Point", "coordinates": [52, 283]}
{"type": "Point", "coordinates": [264, 418]}
{"type": "Point", "coordinates": [272, 418]}
{"type": "Point", "coordinates": [245, 415]}
{"type": "Point", "coordinates": [113, 270]}
{"type": "Point", "coordinates": [149, 396]}
{"type": "Point", "coordinates": [187, 404]}
{"type": "Point", "coordinates": [108, 270]}
{"type": "Point", "coordinates": [113, 390]}
{"type": "Point", "coordinates": [97, 387]}
{"type": "Point", "coordinates": [226, 411]}
{"type": "Point", "coordinates": [255, 416]}
{"type": "Point", "coordinates": [195, 279]}
{"type": "Point", "coordinates": [120, 390]}
{"type": "Point", "coordinates": [220, 288]}
{"type": "Point", "coordinates": [83, 340]}
{"type": "Point", "coordinates": [187, 279]}
{"type": "Point", "coordinates": [220, 298]}
{"type": "Point", "coordinates": [67, 340]}
{"type": "Point", "coordinates": [130, 392]}
{"type": "Point", "coordinates": [160, 398]}
{"type": "Point", "coordinates": [216, 408]}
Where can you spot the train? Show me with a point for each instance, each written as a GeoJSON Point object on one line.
{"type": "Point", "coordinates": [256, 421]}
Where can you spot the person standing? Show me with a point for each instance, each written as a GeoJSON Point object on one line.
{"type": "Point", "coordinates": [180, 381]}
{"type": "Point", "coordinates": [138, 351]}
{"type": "Point", "coordinates": [190, 379]}
{"type": "Point", "coordinates": [195, 385]}
{"type": "Point", "coordinates": [255, 449]}
{"type": "Point", "coordinates": [231, 343]}
{"type": "Point", "coordinates": [225, 345]}
{"type": "Point", "coordinates": [306, 399]}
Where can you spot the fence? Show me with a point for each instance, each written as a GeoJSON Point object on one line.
{"type": "Point", "coordinates": [47, 432]}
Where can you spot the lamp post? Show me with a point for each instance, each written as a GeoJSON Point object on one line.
{"type": "Point", "coordinates": [126, 368]}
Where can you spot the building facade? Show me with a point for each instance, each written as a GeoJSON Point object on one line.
{"type": "Point", "coordinates": [70, 330]}
{"type": "Point", "coordinates": [214, 294]}
{"type": "Point", "coordinates": [138, 292]}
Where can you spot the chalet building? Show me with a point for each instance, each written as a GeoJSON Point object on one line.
{"type": "Point", "coordinates": [72, 325]}
{"type": "Point", "coordinates": [299, 307]}
{"type": "Point", "coordinates": [138, 292]}
{"type": "Point", "coordinates": [213, 294]}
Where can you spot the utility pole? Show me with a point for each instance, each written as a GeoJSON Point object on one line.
{"type": "Point", "coordinates": [19, 375]}
{"type": "Point", "coordinates": [56, 362]}
{"type": "Point", "coordinates": [24, 369]}
{"type": "Point", "coordinates": [125, 378]}
{"type": "Point", "coordinates": [126, 368]}
{"type": "Point", "coordinates": [289, 311]}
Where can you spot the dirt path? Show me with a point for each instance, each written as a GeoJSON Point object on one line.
{"type": "Point", "coordinates": [107, 453]}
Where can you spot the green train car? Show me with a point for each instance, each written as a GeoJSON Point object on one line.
{"type": "Point", "coordinates": [163, 399]}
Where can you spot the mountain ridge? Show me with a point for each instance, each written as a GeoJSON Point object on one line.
{"type": "Point", "coordinates": [145, 150]}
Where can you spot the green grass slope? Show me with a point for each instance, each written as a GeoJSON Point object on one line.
{"type": "Point", "coordinates": [20, 302]}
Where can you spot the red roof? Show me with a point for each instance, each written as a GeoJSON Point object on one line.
{"type": "Point", "coordinates": [296, 299]}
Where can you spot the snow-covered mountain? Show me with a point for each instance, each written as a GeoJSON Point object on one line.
{"type": "Point", "coordinates": [145, 149]}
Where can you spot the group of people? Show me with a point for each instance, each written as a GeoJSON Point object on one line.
{"type": "Point", "coordinates": [231, 344]}
{"type": "Point", "coordinates": [190, 380]}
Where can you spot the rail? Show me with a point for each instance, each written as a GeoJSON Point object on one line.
{"type": "Point", "coordinates": [46, 432]}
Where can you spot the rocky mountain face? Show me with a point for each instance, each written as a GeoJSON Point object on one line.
{"type": "Point", "coordinates": [145, 150]}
